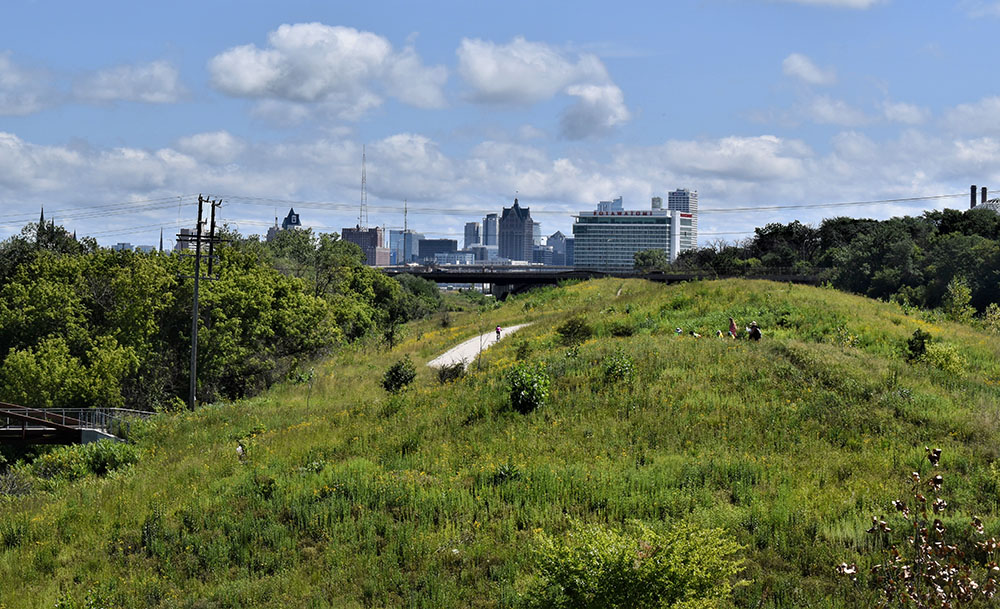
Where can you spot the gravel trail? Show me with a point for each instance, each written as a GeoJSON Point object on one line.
{"type": "Point", "coordinates": [466, 352]}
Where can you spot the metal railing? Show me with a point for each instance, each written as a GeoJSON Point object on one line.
{"type": "Point", "coordinates": [115, 421]}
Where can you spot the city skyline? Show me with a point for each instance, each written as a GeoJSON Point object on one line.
{"type": "Point", "coordinates": [115, 125]}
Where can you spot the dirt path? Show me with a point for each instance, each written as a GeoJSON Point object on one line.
{"type": "Point", "coordinates": [467, 351]}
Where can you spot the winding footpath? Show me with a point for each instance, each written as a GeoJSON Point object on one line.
{"type": "Point", "coordinates": [466, 352]}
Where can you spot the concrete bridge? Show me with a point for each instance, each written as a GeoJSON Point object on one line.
{"type": "Point", "coordinates": [505, 280]}
{"type": "Point", "coordinates": [23, 425]}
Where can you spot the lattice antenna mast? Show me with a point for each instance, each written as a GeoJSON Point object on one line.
{"type": "Point", "coordinates": [404, 217]}
{"type": "Point", "coordinates": [363, 216]}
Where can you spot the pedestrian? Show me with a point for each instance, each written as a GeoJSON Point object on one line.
{"type": "Point", "coordinates": [498, 332]}
{"type": "Point", "coordinates": [732, 328]}
{"type": "Point", "coordinates": [754, 331]}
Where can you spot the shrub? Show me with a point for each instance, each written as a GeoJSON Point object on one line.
{"type": "Point", "coordinates": [596, 567]}
{"type": "Point", "coordinates": [916, 346]}
{"type": "Point", "coordinates": [574, 331]}
{"type": "Point", "coordinates": [944, 357]}
{"type": "Point", "coordinates": [529, 387]}
{"type": "Point", "coordinates": [957, 299]}
{"type": "Point", "coordinates": [991, 318]}
{"type": "Point", "coordinates": [76, 461]}
{"type": "Point", "coordinates": [618, 368]}
{"type": "Point", "coordinates": [621, 328]}
{"type": "Point", "coordinates": [399, 375]}
{"type": "Point", "coordinates": [451, 372]}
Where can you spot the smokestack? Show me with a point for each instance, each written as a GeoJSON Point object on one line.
{"type": "Point", "coordinates": [972, 197]}
{"type": "Point", "coordinates": [982, 198]}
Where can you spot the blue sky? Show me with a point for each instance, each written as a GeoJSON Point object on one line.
{"type": "Point", "coordinates": [113, 114]}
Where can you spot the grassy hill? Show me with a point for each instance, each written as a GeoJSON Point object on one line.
{"type": "Point", "coordinates": [435, 497]}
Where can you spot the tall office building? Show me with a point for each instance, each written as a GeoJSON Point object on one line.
{"type": "Point", "coordinates": [608, 240]}
{"type": "Point", "coordinates": [472, 234]}
{"type": "Point", "coordinates": [536, 233]}
{"type": "Point", "coordinates": [403, 246]}
{"type": "Point", "coordinates": [491, 229]}
{"type": "Point", "coordinates": [612, 205]}
{"type": "Point", "coordinates": [686, 201]}
{"type": "Point", "coordinates": [516, 234]}
{"type": "Point", "coordinates": [370, 242]}
{"type": "Point", "coordinates": [657, 203]}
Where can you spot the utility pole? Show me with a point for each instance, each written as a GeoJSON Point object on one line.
{"type": "Point", "coordinates": [199, 239]}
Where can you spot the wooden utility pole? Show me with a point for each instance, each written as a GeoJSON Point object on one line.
{"type": "Point", "coordinates": [199, 239]}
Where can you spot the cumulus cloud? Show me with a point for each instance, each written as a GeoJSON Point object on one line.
{"type": "Point", "coordinates": [22, 91]}
{"type": "Point", "coordinates": [801, 67]}
{"type": "Point", "coordinates": [340, 70]}
{"type": "Point", "coordinates": [908, 114]}
{"type": "Point", "coordinates": [829, 111]}
{"type": "Point", "coordinates": [216, 147]}
{"type": "Point", "coordinates": [982, 116]}
{"type": "Point", "coordinates": [523, 73]}
{"type": "Point", "coordinates": [157, 82]}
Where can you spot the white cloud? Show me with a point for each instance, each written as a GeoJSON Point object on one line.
{"type": "Point", "coordinates": [337, 70]}
{"type": "Point", "coordinates": [600, 109]}
{"type": "Point", "coordinates": [909, 114]}
{"type": "Point", "coordinates": [829, 111]}
{"type": "Point", "coordinates": [981, 8]}
{"type": "Point", "coordinates": [22, 91]}
{"type": "Point", "coordinates": [217, 147]}
{"type": "Point", "coordinates": [157, 82]}
{"type": "Point", "coordinates": [980, 117]}
{"type": "Point", "coordinates": [761, 158]}
{"type": "Point", "coordinates": [524, 73]}
{"type": "Point", "coordinates": [799, 66]}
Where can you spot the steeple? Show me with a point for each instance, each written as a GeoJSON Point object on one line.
{"type": "Point", "coordinates": [41, 218]}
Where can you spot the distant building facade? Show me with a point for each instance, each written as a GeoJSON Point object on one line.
{"type": "Point", "coordinates": [291, 221]}
{"type": "Point", "coordinates": [403, 246]}
{"type": "Point", "coordinates": [686, 201]}
{"type": "Point", "coordinates": [516, 233]}
{"type": "Point", "coordinates": [609, 239]}
{"type": "Point", "coordinates": [429, 248]}
{"type": "Point", "coordinates": [491, 229]}
{"type": "Point", "coordinates": [472, 234]}
{"type": "Point", "coordinates": [370, 242]}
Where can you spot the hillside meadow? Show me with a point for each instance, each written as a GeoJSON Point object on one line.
{"type": "Point", "coordinates": [441, 495]}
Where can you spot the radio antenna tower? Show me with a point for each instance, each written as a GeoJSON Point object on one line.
{"type": "Point", "coordinates": [404, 216]}
{"type": "Point", "coordinates": [363, 216]}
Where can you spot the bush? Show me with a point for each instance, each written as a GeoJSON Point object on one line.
{"type": "Point", "coordinates": [621, 328]}
{"type": "Point", "coordinates": [79, 460]}
{"type": "Point", "coordinates": [399, 375]}
{"type": "Point", "coordinates": [451, 372]}
{"type": "Point", "coordinates": [618, 368]}
{"type": "Point", "coordinates": [529, 387]}
{"type": "Point", "coordinates": [944, 357]}
{"type": "Point", "coordinates": [594, 567]}
{"type": "Point", "coordinates": [574, 331]}
{"type": "Point", "coordinates": [916, 346]}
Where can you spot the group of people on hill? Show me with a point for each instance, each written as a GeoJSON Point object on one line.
{"type": "Point", "coordinates": [752, 331]}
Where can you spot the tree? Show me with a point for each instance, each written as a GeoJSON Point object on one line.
{"type": "Point", "coordinates": [651, 260]}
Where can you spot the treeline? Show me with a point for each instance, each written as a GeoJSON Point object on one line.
{"type": "Point", "coordinates": [927, 261]}
{"type": "Point", "coordinates": [83, 326]}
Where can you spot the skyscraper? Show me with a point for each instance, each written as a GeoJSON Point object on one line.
{"type": "Point", "coordinates": [472, 234]}
{"type": "Point", "coordinates": [516, 234]}
{"type": "Point", "coordinates": [370, 242]}
{"type": "Point", "coordinates": [686, 201]}
{"type": "Point", "coordinates": [490, 232]}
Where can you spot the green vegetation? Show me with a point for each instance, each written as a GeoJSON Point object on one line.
{"type": "Point", "coordinates": [81, 326]}
{"type": "Point", "coordinates": [948, 259]}
{"type": "Point", "coordinates": [776, 453]}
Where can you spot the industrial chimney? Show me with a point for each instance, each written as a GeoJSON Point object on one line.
{"type": "Point", "coordinates": [972, 197]}
{"type": "Point", "coordinates": [982, 199]}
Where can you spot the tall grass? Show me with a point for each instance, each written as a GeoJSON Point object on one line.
{"type": "Point", "coordinates": [431, 497]}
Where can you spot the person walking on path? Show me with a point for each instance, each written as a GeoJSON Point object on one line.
{"type": "Point", "coordinates": [732, 328]}
{"type": "Point", "coordinates": [498, 333]}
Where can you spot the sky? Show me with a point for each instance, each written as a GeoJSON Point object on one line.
{"type": "Point", "coordinates": [115, 115]}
